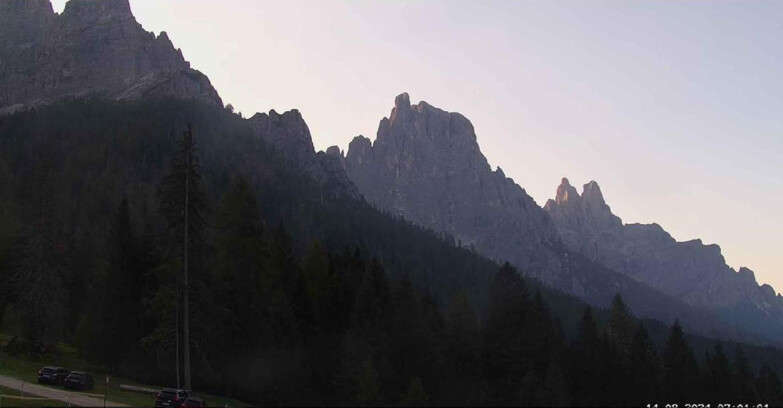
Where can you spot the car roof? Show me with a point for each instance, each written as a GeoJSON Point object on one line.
{"type": "Point", "coordinates": [79, 373]}
{"type": "Point", "coordinates": [172, 390]}
{"type": "Point", "coordinates": [53, 367]}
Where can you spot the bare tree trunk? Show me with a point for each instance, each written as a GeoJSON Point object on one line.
{"type": "Point", "coordinates": [186, 317]}
{"type": "Point", "coordinates": [176, 332]}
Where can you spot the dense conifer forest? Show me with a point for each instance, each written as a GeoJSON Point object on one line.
{"type": "Point", "coordinates": [297, 295]}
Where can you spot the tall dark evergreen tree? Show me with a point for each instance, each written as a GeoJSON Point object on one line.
{"type": "Point", "coordinates": [241, 259]}
{"type": "Point", "coordinates": [113, 324]}
{"type": "Point", "coordinates": [644, 369]}
{"type": "Point", "coordinates": [587, 364]}
{"type": "Point", "coordinates": [39, 271]}
{"type": "Point", "coordinates": [507, 346]}
{"type": "Point", "coordinates": [744, 380]}
{"type": "Point", "coordinates": [719, 378]}
{"type": "Point", "coordinates": [183, 205]}
{"type": "Point", "coordinates": [769, 388]}
{"type": "Point", "coordinates": [322, 287]}
{"type": "Point", "coordinates": [463, 383]}
{"type": "Point", "coordinates": [680, 369]}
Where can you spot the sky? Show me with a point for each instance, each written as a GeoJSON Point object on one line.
{"type": "Point", "coordinates": [674, 108]}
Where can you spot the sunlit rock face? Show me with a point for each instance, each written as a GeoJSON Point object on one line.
{"type": "Point", "coordinates": [95, 47]}
{"type": "Point", "coordinates": [426, 166]}
{"type": "Point", "coordinates": [691, 271]}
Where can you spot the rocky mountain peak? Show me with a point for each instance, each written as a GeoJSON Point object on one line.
{"type": "Point", "coordinates": [747, 274]}
{"type": "Point", "coordinates": [334, 151]}
{"type": "Point", "coordinates": [402, 101]}
{"type": "Point", "coordinates": [426, 166]}
{"type": "Point", "coordinates": [98, 10]}
{"type": "Point", "coordinates": [13, 8]}
{"type": "Point", "coordinates": [591, 193]}
{"type": "Point", "coordinates": [689, 270]}
{"type": "Point", "coordinates": [287, 132]}
{"type": "Point", "coordinates": [566, 192]}
{"type": "Point", "coordinates": [94, 47]}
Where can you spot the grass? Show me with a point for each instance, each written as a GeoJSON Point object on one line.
{"type": "Point", "coordinates": [24, 368]}
{"type": "Point", "coordinates": [13, 402]}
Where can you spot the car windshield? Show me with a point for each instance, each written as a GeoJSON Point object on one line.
{"type": "Point", "coordinates": [47, 370]}
{"type": "Point", "coordinates": [168, 394]}
{"type": "Point", "coordinates": [77, 375]}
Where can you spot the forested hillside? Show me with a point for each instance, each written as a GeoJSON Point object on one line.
{"type": "Point", "coordinates": [299, 294]}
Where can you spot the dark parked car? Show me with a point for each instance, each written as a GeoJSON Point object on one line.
{"type": "Point", "coordinates": [78, 380]}
{"type": "Point", "coordinates": [191, 402]}
{"type": "Point", "coordinates": [170, 398]}
{"type": "Point", "coordinates": [52, 375]}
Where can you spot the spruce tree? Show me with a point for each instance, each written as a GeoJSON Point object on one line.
{"type": "Point", "coordinates": [588, 376]}
{"type": "Point", "coordinates": [769, 387]}
{"type": "Point", "coordinates": [644, 369]}
{"type": "Point", "coordinates": [506, 356]}
{"type": "Point", "coordinates": [680, 368]}
{"type": "Point", "coordinates": [183, 204]}
{"type": "Point", "coordinates": [743, 378]}
{"type": "Point", "coordinates": [719, 377]}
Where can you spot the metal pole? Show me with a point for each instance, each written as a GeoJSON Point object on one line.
{"type": "Point", "coordinates": [105, 390]}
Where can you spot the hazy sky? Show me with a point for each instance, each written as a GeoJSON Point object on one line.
{"type": "Point", "coordinates": [675, 108]}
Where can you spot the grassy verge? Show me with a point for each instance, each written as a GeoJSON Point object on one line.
{"type": "Point", "coordinates": [24, 368]}
{"type": "Point", "coordinates": [5, 401]}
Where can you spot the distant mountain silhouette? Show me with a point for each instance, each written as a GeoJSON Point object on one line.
{"type": "Point", "coordinates": [691, 271]}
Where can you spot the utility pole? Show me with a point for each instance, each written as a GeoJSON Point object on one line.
{"type": "Point", "coordinates": [186, 317]}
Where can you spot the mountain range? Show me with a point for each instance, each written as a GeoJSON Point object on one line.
{"type": "Point", "coordinates": [425, 166]}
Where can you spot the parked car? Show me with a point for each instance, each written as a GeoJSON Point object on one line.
{"type": "Point", "coordinates": [78, 380]}
{"type": "Point", "coordinates": [191, 402]}
{"type": "Point", "coordinates": [170, 398]}
{"type": "Point", "coordinates": [52, 375]}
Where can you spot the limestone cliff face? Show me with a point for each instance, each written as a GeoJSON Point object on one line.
{"type": "Point", "coordinates": [426, 166]}
{"type": "Point", "coordinates": [290, 136]}
{"type": "Point", "coordinates": [95, 47]}
{"type": "Point", "coordinates": [691, 271]}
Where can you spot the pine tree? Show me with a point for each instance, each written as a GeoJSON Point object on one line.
{"type": "Point", "coordinates": [322, 287]}
{"type": "Point", "coordinates": [369, 386]}
{"type": "Point", "coordinates": [242, 257]}
{"type": "Point", "coordinates": [588, 376]}
{"type": "Point", "coordinates": [769, 388]}
{"type": "Point", "coordinates": [183, 205]}
{"type": "Point", "coordinates": [680, 368]}
{"type": "Point", "coordinates": [621, 328]}
{"type": "Point", "coordinates": [644, 369]}
{"type": "Point", "coordinates": [744, 378]}
{"type": "Point", "coordinates": [463, 353]}
{"type": "Point", "coordinates": [719, 377]}
{"type": "Point", "coordinates": [415, 396]}
{"type": "Point", "coordinates": [507, 346]}
{"type": "Point", "coordinates": [38, 276]}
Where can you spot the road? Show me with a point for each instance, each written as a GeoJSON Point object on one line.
{"type": "Point", "coordinates": [31, 389]}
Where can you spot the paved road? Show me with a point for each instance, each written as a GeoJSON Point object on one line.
{"type": "Point", "coordinates": [31, 389]}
